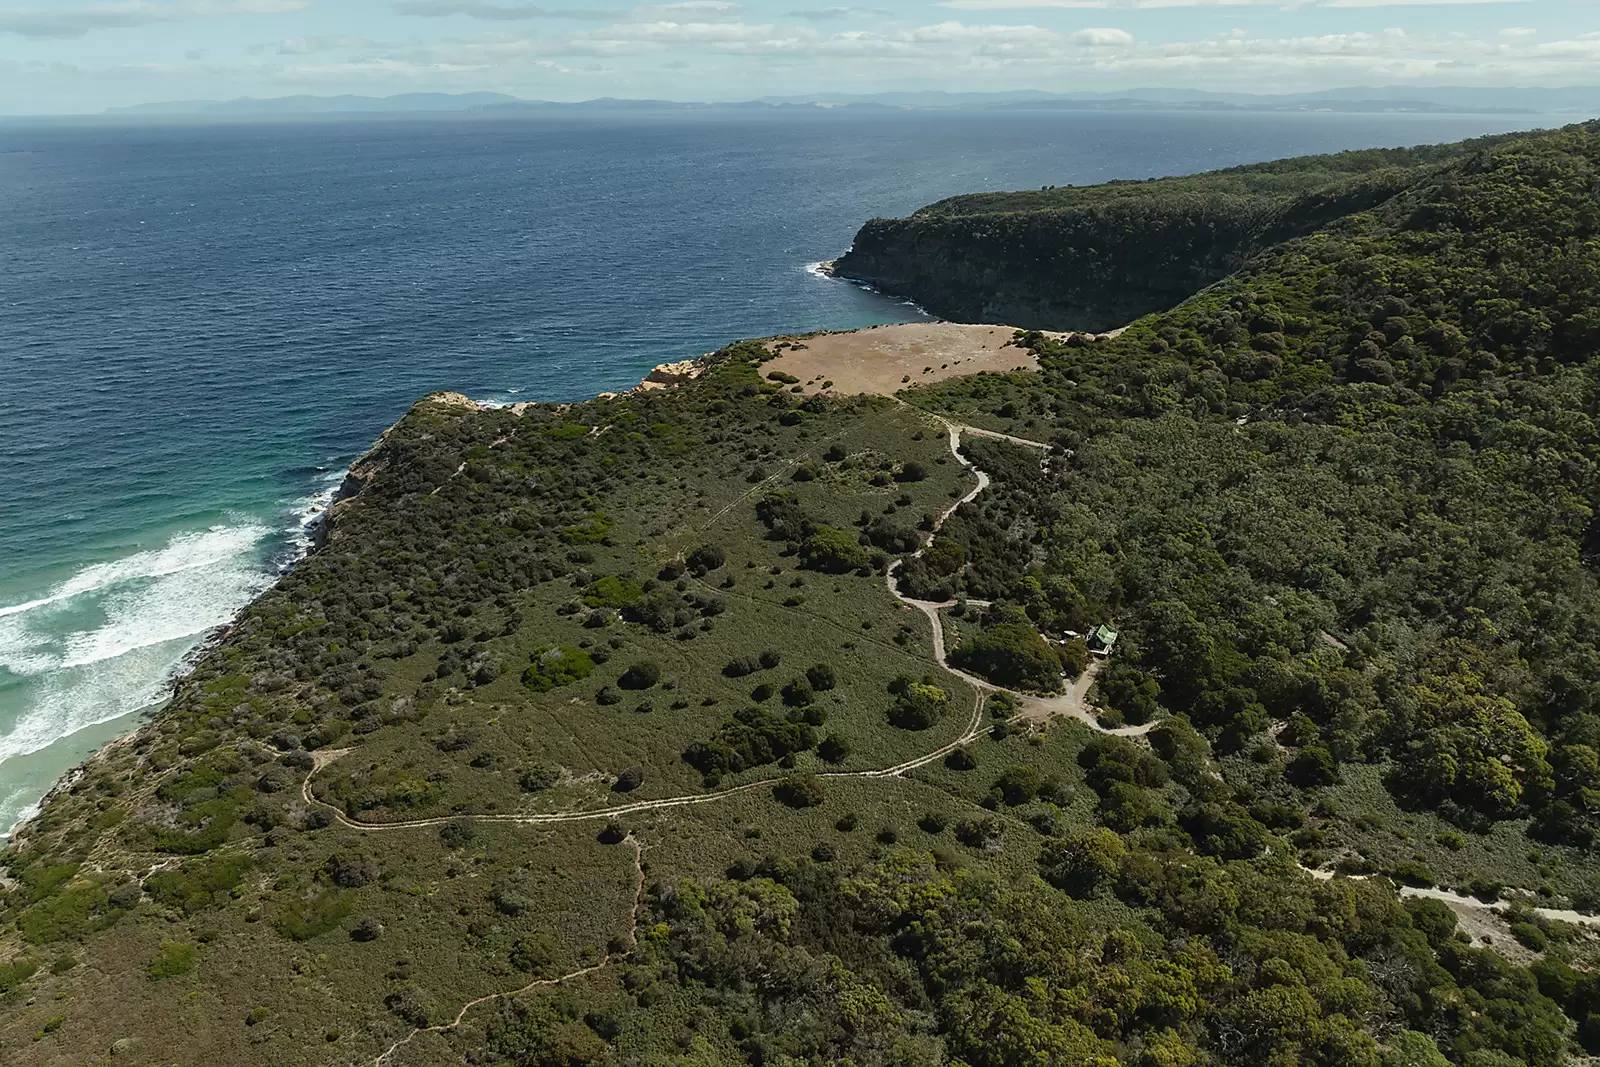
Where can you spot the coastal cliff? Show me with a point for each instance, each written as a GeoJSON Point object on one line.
{"type": "Point", "coordinates": [1097, 258]}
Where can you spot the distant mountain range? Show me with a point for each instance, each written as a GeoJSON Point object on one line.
{"type": "Point", "coordinates": [1430, 100]}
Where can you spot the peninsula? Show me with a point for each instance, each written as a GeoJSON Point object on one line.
{"type": "Point", "coordinates": [1221, 690]}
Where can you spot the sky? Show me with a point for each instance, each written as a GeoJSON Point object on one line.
{"type": "Point", "coordinates": [81, 56]}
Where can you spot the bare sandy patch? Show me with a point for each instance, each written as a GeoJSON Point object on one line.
{"type": "Point", "coordinates": [886, 359]}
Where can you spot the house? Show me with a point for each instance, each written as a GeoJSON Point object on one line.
{"type": "Point", "coordinates": [1102, 640]}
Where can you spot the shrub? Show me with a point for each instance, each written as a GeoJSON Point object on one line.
{"type": "Point", "coordinates": [554, 666]}
{"type": "Point", "coordinates": [1313, 766]}
{"type": "Point", "coordinates": [799, 694]}
{"type": "Point", "coordinates": [961, 759]}
{"type": "Point", "coordinates": [770, 659]}
{"type": "Point", "coordinates": [821, 677]}
{"type": "Point", "coordinates": [538, 777]}
{"type": "Point", "coordinates": [1018, 784]}
{"type": "Point", "coordinates": [198, 884]}
{"type": "Point", "coordinates": [1529, 936]}
{"type": "Point", "coordinates": [613, 592]}
{"type": "Point", "coordinates": [628, 780]}
{"type": "Point", "coordinates": [351, 871]}
{"type": "Point", "coordinates": [709, 557]}
{"type": "Point", "coordinates": [174, 958]}
{"type": "Point", "coordinates": [535, 954]}
{"type": "Point", "coordinates": [751, 739]}
{"type": "Point", "coordinates": [640, 676]}
{"type": "Point", "coordinates": [412, 1005]}
{"type": "Point", "coordinates": [302, 918]}
{"type": "Point", "coordinates": [366, 929]}
{"type": "Point", "coordinates": [913, 471]}
{"type": "Point", "coordinates": [984, 833]}
{"type": "Point", "coordinates": [15, 973]}
{"type": "Point", "coordinates": [1413, 872]}
{"type": "Point", "coordinates": [457, 833]}
{"type": "Point", "coordinates": [741, 667]}
{"type": "Point", "coordinates": [800, 791]}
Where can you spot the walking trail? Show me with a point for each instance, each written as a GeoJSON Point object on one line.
{"type": "Point", "coordinates": [1033, 708]}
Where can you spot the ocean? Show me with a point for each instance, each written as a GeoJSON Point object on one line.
{"type": "Point", "coordinates": [202, 325]}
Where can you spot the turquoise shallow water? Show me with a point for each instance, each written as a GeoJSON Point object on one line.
{"type": "Point", "coordinates": [200, 326]}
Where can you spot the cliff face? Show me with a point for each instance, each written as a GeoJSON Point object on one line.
{"type": "Point", "coordinates": [1041, 271]}
{"type": "Point", "coordinates": [1097, 258]}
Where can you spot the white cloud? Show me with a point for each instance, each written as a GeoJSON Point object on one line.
{"type": "Point", "coordinates": [1102, 37]}
{"type": "Point", "coordinates": [305, 46]}
{"type": "Point", "coordinates": [76, 22]}
{"type": "Point", "coordinates": [1035, 5]}
{"type": "Point", "coordinates": [490, 12]}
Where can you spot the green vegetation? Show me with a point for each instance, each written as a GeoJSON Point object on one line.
{"type": "Point", "coordinates": [557, 666]}
{"type": "Point", "coordinates": [1340, 506]}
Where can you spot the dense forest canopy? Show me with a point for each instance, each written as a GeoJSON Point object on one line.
{"type": "Point", "coordinates": [1339, 507]}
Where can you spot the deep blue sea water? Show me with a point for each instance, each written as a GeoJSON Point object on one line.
{"type": "Point", "coordinates": [201, 325]}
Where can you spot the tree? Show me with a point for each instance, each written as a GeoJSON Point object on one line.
{"type": "Point", "coordinates": [834, 748]}
{"type": "Point", "coordinates": [1011, 654]}
{"type": "Point", "coordinates": [1083, 861]}
{"type": "Point", "coordinates": [919, 706]}
{"type": "Point", "coordinates": [628, 780]}
{"type": "Point", "coordinates": [833, 551]}
{"type": "Point", "coordinates": [1470, 747]}
{"type": "Point", "coordinates": [1313, 766]}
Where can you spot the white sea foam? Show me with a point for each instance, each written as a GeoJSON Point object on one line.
{"type": "Point", "coordinates": [307, 516]}
{"type": "Point", "coordinates": [141, 615]}
{"type": "Point", "coordinates": [184, 552]}
{"type": "Point", "coordinates": [17, 801]}
{"type": "Point", "coordinates": [74, 699]}
{"type": "Point", "coordinates": [108, 641]}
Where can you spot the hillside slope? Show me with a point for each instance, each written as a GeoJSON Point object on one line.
{"type": "Point", "coordinates": [613, 733]}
